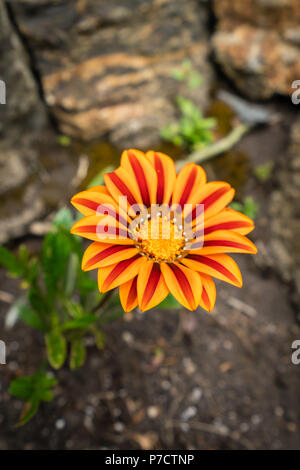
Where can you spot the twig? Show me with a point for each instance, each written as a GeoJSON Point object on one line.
{"type": "Point", "coordinates": [218, 147]}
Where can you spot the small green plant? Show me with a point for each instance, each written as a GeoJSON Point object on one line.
{"type": "Point", "coordinates": [263, 172]}
{"type": "Point", "coordinates": [187, 73]}
{"type": "Point", "coordinates": [33, 390]}
{"type": "Point", "coordinates": [64, 140]}
{"type": "Point", "coordinates": [248, 207]}
{"type": "Point", "coordinates": [61, 301]}
{"type": "Point", "coordinates": [193, 130]}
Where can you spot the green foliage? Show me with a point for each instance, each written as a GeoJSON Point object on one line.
{"type": "Point", "coordinates": [263, 172]}
{"type": "Point", "coordinates": [192, 130]}
{"type": "Point", "coordinates": [78, 354]}
{"type": "Point", "coordinates": [186, 73]}
{"type": "Point", "coordinates": [99, 180]}
{"type": "Point", "coordinates": [64, 140]}
{"type": "Point", "coordinates": [248, 207]}
{"type": "Point", "coordinates": [60, 301]}
{"type": "Point", "coordinates": [33, 390]}
{"type": "Point", "coordinates": [170, 303]}
{"type": "Point", "coordinates": [56, 348]}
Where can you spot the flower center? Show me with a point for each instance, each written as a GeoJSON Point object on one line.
{"type": "Point", "coordinates": [160, 239]}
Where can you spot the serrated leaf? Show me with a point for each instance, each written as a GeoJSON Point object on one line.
{"type": "Point", "coordinates": [77, 354]}
{"type": "Point", "coordinates": [56, 349]}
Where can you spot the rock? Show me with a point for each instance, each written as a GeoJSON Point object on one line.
{"type": "Point", "coordinates": [105, 67]}
{"type": "Point", "coordinates": [22, 119]}
{"type": "Point", "coordinates": [285, 220]}
{"type": "Point", "coordinates": [257, 43]}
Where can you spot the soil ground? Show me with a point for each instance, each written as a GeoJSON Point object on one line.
{"type": "Point", "coordinates": [174, 379]}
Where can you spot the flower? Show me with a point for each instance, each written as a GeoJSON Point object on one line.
{"type": "Point", "coordinates": [155, 232]}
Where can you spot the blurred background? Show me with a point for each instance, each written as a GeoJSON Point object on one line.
{"type": "Point", "coordinates": [84, 80]}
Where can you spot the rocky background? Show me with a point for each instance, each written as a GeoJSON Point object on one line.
{"type": "Point", "coordinates": [98, 72]}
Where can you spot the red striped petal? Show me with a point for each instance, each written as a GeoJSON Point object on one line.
{"type": "Point", "coordinates": [220, 266]}
{"type": "Point", "coordinates": [166, 175]}
{"type": "Point", "coordinates": [103, 254]}
{"type": "Point", "coordinates": [140, 169]}
{"type": "Point", "coordinates": [188, 181]}
{"type": "Point", "coordinates": [119, 273]}
{"type": "Point", "coordinates": [208, 296]}
{"type": "Point", "coordinates": [224, 241]}
{"type": "Point", "coordinates": [104, 229]}
{"type": "Point", "coordinates": [152, 289]}
{"type": "Point", "coordinates": [229, 219]}
{"type": "Point", "coordinates": [99, 203]}
{"type": "Point", "coordinates": [214, 196]}
{"type": "Point", "coordinates": [128, 294]}
{"type": "Point", "coordinates": [184, 284]}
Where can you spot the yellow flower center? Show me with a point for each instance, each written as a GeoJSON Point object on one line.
{"type": "Point", "coordinates": [160, 239]}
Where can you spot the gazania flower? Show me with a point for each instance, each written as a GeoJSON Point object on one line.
{"type": "Point", "coordinates": [176, 247]}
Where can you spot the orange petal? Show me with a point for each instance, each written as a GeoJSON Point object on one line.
{"type": "Point", "coordinates": [152, 289]}
{"type": "Point", "coordinates": [166, 175]}
{"type": "Point", "coordinates": [184, 284]}
{"type": "Point", "coordinates": [121, 184]}
{"type": "Point", "coordinates": [224, 241]}
{"type": "Point", "coordinates": [220, 266]}
{"type": "Point", "coordinates": [98, 189]}
{"type": "Point", "coordinates": [99, 203]}
{"type": "Point", "coordinates": [187, 184]}
{"type": "Point", "coordinates": [208, 296]}
{"type": "Point", "coordinates": [119, 273]}
{"type": "Point", "coordinates": [229, 219]}
{"type": "Point", "coordinates": [140, 170]}
{"type": "Point", "coordinates": [128, 294]}
{"type": "Point", "coordinates": [105, 229]}
{"type": "Point", "coordinates": [214, 196]}
{"type": "Point", "coordinates": [99, 255]}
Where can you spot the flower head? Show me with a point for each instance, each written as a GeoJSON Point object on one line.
{"type": "Point", "coordinates": [155, 232]}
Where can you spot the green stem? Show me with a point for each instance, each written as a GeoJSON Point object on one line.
{"type": "Point", "coordinates": [103, 301]}
{"type": "Point", "coordinates": [218, 147]}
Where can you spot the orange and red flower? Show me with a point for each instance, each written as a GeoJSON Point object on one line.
{"type": "Point", "coordinates": [148, 254]}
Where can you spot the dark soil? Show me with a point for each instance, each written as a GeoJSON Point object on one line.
{"type": "Point", "coordinates": [177, 380]}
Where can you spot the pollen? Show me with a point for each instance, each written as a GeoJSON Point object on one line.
{"type": "Point", "coordinates": [160, 239]}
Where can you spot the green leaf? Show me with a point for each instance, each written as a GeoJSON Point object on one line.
{"type": "Point", "coordinates": [71, 275]}
{"type": "Point", "coordinates": [99, 180]}
{"type": "Point", "coordinates": [195, 80]}
{"type": "Point", "coordinates": [80, 322]}
{"type": "Point", "coordinates": [248, 207]}
{"type": "Point", "coordinates": [178, 75]}
{"type": "Point", "coordinates": [55, 254]}
{"type": "Point", "coordinates": [22, 387]}
{"type": "Point", "coordinates": [170, 303]}
{"type": "Point", "coordinates": [78, 354]}
{"type": "Point", "coordinates": [33, 389]}
{"type": "Point", "coordinates": [28, 412]}
{"type": "Point", "coordinates": [99, 338]}
{"type": "Point", "coordinates": [31, 318]}
{"type": "Point", "coordinates": [9, 261]}
{"type": "Point", "coordinates": [56, 349]}
{"type": "Point", "coordinates": [64, 140]}
{"type": "Point", "coordinates": [263, 172]}
{"type": "Point", "coordinates": [64, 218]}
